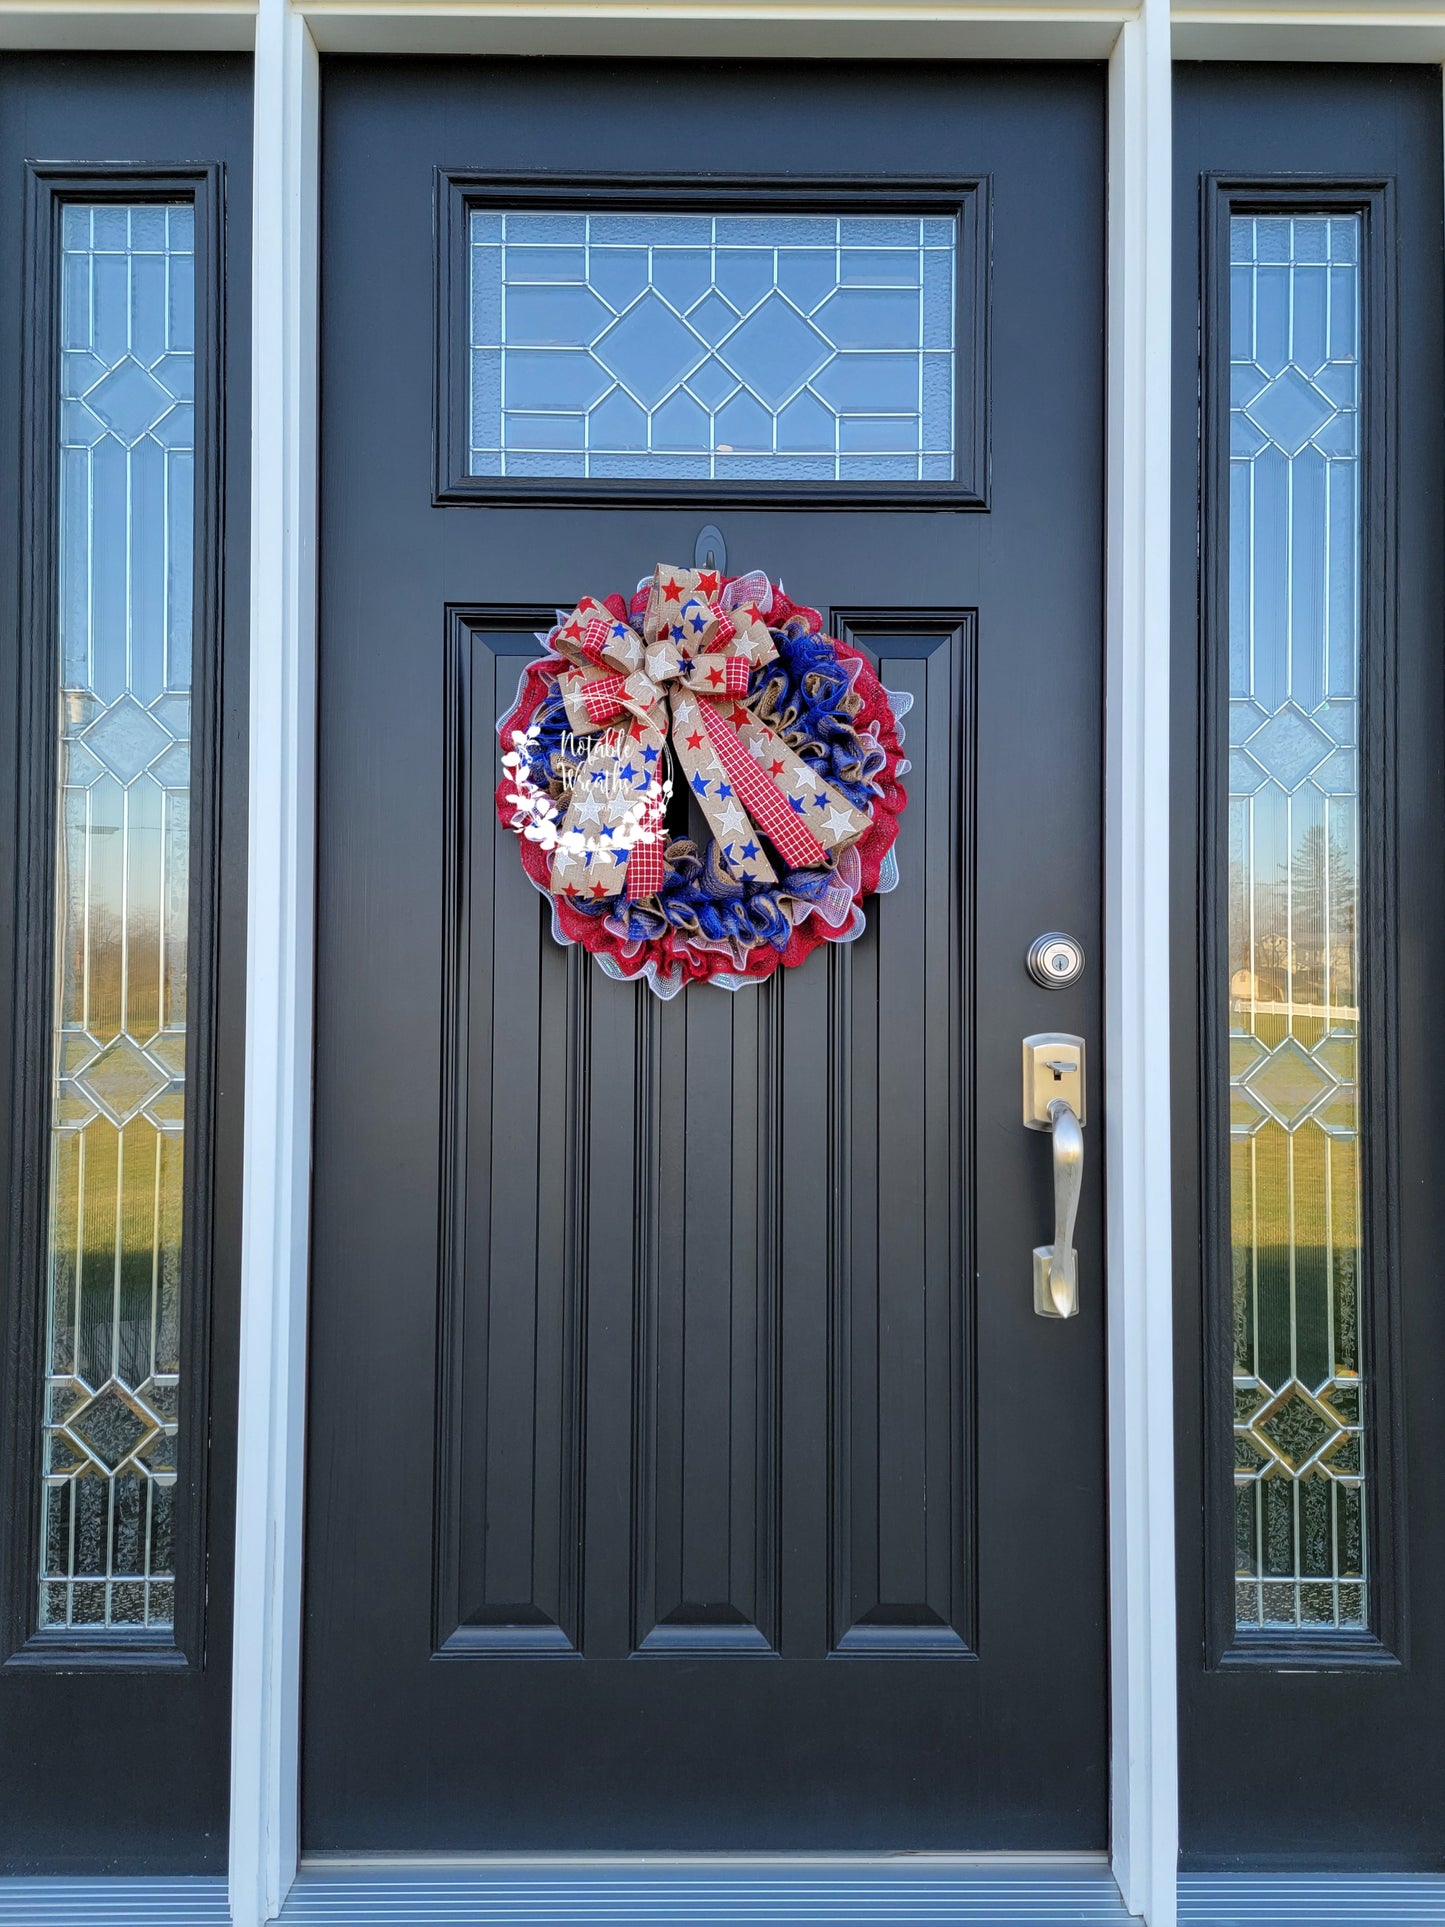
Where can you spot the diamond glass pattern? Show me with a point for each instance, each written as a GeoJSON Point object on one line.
{"type": "Point", "coordinates": [109, 1427]}
{"type": "Point", "coordinates": [791, 346]}
{"type": "Point", "coordinates": [1294, 641]}
{"type": "Point", "coordinates": [128, 401]}
{"type": "Point", "coordinates": [127, 549]}
{"type": "Point", "coordinates": [1290, 410]}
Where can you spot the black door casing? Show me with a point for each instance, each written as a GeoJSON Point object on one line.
{"type": "Point", "coordinates": [114, 1761]}
{"type": "Point", "coordinates": [1333, 1758]}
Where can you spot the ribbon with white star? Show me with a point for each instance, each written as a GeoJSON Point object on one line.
{"type": "Point", "coordinates": [684, 681]}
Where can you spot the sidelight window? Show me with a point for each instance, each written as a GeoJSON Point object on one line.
{"type": "Point", "coordinates": [126, 554]}
{"type": "Point", "coordinates": [1294, 989]}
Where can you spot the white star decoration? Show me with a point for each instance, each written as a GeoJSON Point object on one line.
{"type": "Point", "coordinates": [731, 819]}
{"type": "Point", "coordinates": [838, 823]}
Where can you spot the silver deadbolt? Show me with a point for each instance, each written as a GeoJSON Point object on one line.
{"type": "Point", "coordinates": [1054, 1102]}
{"type": "Point", "coordinates": [1056, 960]}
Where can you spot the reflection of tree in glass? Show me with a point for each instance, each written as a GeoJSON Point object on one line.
{"type": "Point", "coordinates": [1320, 882]}
{"type": "Point", "coordinates": [1292, 937]}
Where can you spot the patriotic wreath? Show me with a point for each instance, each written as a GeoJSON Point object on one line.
{"type": "Point", "coordinates": [786, 743]}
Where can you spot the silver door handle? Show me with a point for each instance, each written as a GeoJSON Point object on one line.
{"type": "Point", "coordinates": [1056, 1266]}
{"type": "Point", "coordinates": [1054, 1102]}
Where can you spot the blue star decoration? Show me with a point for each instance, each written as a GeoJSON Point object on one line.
{"type": "Point", "coordinates": [797, 803]}
{"type": "Point", "coordinates": [699, 783]}
{"type": "Point", "coordinates": [723, 792]}
{"type": "Point", "coordinates": [750, 850]}
{"type": "Point", "coordinates": [629, 774]}
{"type": "Point", "coordinates": [649, 755]}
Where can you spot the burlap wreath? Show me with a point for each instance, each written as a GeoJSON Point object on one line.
{"type": "Point", "coordinates": [790, 750]}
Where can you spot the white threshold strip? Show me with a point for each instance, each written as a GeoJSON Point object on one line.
{"type": "Point", "coordinates": [713, 1890]}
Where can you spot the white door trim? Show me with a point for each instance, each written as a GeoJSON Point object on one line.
{"type": "Point", "coordinates": [1144, 1809]}
{"type": "Point", "coordinates": [1136, 35]}
{"type": "Point", "coordinates": [1143, 1621]}
{"type": "Point", "coordinates": [275, 1238]}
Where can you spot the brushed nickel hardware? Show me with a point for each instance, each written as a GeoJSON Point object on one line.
{"type": "Point", "coordinates": [1053, 1077]}
{"type": "Point", "coordinates": [1056, 960]}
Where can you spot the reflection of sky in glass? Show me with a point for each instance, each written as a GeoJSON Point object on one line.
{"type": "Point", "coordinates": [1294, 631]}
{"type": "Point", "coordinates": [783, 346]}
{"type": "Point", "coordinates": [127, 461]}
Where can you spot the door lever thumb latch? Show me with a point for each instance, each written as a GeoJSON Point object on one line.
{"type": "Point", "coordinates": [1054, 1102]}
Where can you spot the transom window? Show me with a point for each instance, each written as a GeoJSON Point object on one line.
{"type": "Point", "coordinates": [787, 346]}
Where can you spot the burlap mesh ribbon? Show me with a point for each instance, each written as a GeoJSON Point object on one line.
{"type": "Point", "coordinates": [683, 683]}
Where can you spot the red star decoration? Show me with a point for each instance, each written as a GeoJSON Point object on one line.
{"type": "Point", "coordinates": [775, 769]}
{"type": "Point", "coordinates": [573, 631]}
{"type": "Point", "coordinates": [707, 582]}
{"type": "Point", "coordinates": [695, 742]}
{"type": "Point", "coordinates": [740, 715]}
{"type": "Point", "coordinates": [599, 889]}
{"type": "Point", "coordinates": [672, 589]}
{"type": "Point", "coordinates": [570, 891]}
{"type": "Point", "coordinates": [716, 676]}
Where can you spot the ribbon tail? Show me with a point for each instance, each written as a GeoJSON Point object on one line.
{"type": "Point", "coordinates": [769, 807]}
{"type": "Point", "coordinates": [718, 799]}
{"type": "Point", "coordinates": [830, 819]}
{"type": "Point", "coordinates": [610, 803]}
{"type": "Point", "coordinates": [645, 862]}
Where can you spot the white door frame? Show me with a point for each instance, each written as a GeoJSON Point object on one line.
{"type": "Point", "coordinates": [1138, 37]}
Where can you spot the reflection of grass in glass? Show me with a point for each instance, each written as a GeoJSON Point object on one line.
{"type": "Point", "coordinates": [1295, 1228]}
{"type": "Point", "coordinates": [117, 1248]}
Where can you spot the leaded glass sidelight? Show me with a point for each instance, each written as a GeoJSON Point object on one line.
{"type": "Point", "coordinates": [785, 347]}
{"type": "Point", "coordinates": [1293, 895]}
{"type": "Point", "coordinates": [124, 601]}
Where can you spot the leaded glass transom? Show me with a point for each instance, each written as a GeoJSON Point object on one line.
{"type": "Point", "coordinates": [1294, 641]}
{"type": "Point", "coordinates": [127, 319]}
{"type": "Point", "coordinates": [782, 346]}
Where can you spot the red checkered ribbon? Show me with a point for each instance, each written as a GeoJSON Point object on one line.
{"type": "Point", "coordinates": [604, 697]}
{"type": "Point", "coordinates": [645, 869]}
{"type": "Point", "coordinates": [770, 809]}
{"type": "Point", "coordinates": [595, 638]}
{"type": "Point", "coordinates": [678, 684]}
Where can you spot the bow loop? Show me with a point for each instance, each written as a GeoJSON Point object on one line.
{"type": "Point", "coordinates": [684, 681]}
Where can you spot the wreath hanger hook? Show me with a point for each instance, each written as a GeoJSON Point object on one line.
{"type": "Point", "coordinates": [710, 551]}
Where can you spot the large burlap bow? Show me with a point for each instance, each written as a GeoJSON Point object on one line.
{"type": "Point", "coordinates": [683, 681]}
